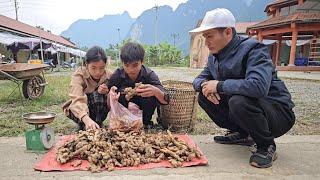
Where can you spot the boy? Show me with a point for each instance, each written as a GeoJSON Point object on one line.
{"type": "Point", "coordinates": [133, 71]}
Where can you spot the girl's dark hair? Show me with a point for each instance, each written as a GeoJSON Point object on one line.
{"type": "Point", "coordinates": [95, 54]}
{"type": "Point", "coordinates": [132, 52]}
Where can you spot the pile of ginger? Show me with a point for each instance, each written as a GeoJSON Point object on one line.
{"type": "Point", "coordinates": [107, 149]}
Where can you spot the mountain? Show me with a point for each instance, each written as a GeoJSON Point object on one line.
{"type": "Point", "coordinates": [170, 23]}
{"type": "Point", "coordinates": [102, 32]}
{"type": "Point", "coordinates": [185, 18]}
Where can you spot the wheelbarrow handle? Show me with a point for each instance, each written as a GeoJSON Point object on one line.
{"type": "Point", "coordinates": [9, 76]}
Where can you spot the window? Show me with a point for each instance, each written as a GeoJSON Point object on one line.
{"type": "Point", "coordinates": [293, 9]}
{"type": "Point", "coordinates": [288, 10]}
{"type": "Point", "coordinates": [284, 11]}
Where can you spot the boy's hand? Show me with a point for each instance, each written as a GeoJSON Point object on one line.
{"type": "Point", "coordinates": [103, 89]}
{"type": "Point", "coordinates": [148, 90]}
{"type": "Point", "coordinates": [114, 94]}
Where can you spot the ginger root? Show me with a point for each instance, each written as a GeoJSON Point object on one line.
{"type": "Point", "coordinates": [108, 149]}
{"type": "Point", "coordinates": [130, 92]}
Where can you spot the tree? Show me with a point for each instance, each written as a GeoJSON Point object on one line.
{"type": "Point", "coordinates": [112, 51]}
{"type": "Point", "coordinates": [163, 54]}
{"type": "Point", "coordinates": [84, 48]}
{"type": "Point", "coordinates": [151, 55]}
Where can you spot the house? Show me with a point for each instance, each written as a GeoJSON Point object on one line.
{"type": "Point", "coordinates": [13, 31]}
{"type": "Point", "coordinates": [295, 27]}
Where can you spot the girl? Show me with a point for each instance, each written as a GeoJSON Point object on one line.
{"type": "Point", "coordinates": [88, 91]}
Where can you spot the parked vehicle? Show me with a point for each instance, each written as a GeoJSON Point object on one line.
{"type": "Point", "coordinates": [69, 64]}
{"type": "Point", "coordinates": [50, 63]}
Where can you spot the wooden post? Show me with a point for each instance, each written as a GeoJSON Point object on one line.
{"type": "Point", "coordinates": [279, 42]}
{"type": "Point", "coordinates": [42, 58]}
{"type": "Point", "coordinates": [300, 2]}
{"type": "Point", "coordinates": [293, 47]}
{"type": "Point", "coordinates": [311, 42]}
{"type": "Point", "coordinates": [58, 59]}
{"type": "Point", "coordinates": [277, 13]}
{"type": "Point", "coordinates": [303, 50]}
{"type": "Point", "coordinates": [273, 52]}
{"type": "Point", "coordinates": [259, 37]}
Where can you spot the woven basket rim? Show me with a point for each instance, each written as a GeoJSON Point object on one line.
{"type": "Point", "coordinates": [189, 89]}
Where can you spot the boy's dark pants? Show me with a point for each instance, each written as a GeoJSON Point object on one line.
{"type": "Point", "coordinates": [262, 119]}
{"type": "Point", "coordinates": [146, 104]}
{"type": "Point", "coordinates": [98, 110]}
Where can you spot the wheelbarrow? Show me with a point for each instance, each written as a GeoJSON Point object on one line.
{"type": "Point", "coordinates": [31, 77]}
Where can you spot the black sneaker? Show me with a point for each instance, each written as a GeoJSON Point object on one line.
{"type": "Point", "coordinates": [234, 138]}
{"type": "Point", "coordinates": [264, 157]}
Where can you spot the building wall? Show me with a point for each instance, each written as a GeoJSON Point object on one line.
{"type": "Point", "coordinates": [67, 56]}
{"type": "Point", "coordinates": [198, 52]}
{"type": "Point", "coordinates": [285, 53]}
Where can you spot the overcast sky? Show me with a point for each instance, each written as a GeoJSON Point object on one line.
{"type": "Point", "coordinates": [57, 15]}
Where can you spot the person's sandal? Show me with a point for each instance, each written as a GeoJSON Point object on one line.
{"type": "Point", "coordinates": [263, 158]}
{"type": "Point", "coordinates": [234, 138]}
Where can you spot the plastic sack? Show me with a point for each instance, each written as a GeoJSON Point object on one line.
{"type": "Point", "coordinates": [122, 118]}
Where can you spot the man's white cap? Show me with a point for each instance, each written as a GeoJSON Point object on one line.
{"type": "Point", "coordinates": [216, 18]}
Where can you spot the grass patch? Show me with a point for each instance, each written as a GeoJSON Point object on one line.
{"type": "Point", "coordinates": [56, 93]}
{"type": "Point", "coordinates": [11, 109]}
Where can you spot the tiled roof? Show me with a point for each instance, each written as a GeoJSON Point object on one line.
{"type": "Point", "coordinates": [298, 17]}
{"type": "Point", "coordinates": [30, 30]}
{"type": "Point", "coordinates": [279, 3]}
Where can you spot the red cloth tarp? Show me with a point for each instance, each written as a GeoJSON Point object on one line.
{"type": "Point", "coordinates": [49, 163]}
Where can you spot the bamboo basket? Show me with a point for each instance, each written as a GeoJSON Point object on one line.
{"type": "Point", "coordinates": [180, 114]}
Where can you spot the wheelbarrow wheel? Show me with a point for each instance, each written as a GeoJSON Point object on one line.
{"type": "Point", "coordinates": [33, 88]}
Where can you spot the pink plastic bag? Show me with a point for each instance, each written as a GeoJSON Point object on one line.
{"type": "Point", "coordinates": [122, 118]}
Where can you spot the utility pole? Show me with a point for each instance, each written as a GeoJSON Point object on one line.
{"type": "Point", "coordinates": [40, 38]}
{"type": "Point", "coordinates": [119, 47]}
{"type": "Point", "coordinates": [58, 56]}
{"type": "Point", "coordinates": [175, 36]}
{"type": "Point", "coordinates": [156, 8]}
{"type": "Point", "coordinates": [16, 8]}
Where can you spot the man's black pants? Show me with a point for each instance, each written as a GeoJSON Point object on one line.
{"type": "Point", "coordinates": [262, 119]}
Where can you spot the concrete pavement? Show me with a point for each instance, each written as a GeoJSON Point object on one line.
{"type": "Point", "coordinates": [299, 158]}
